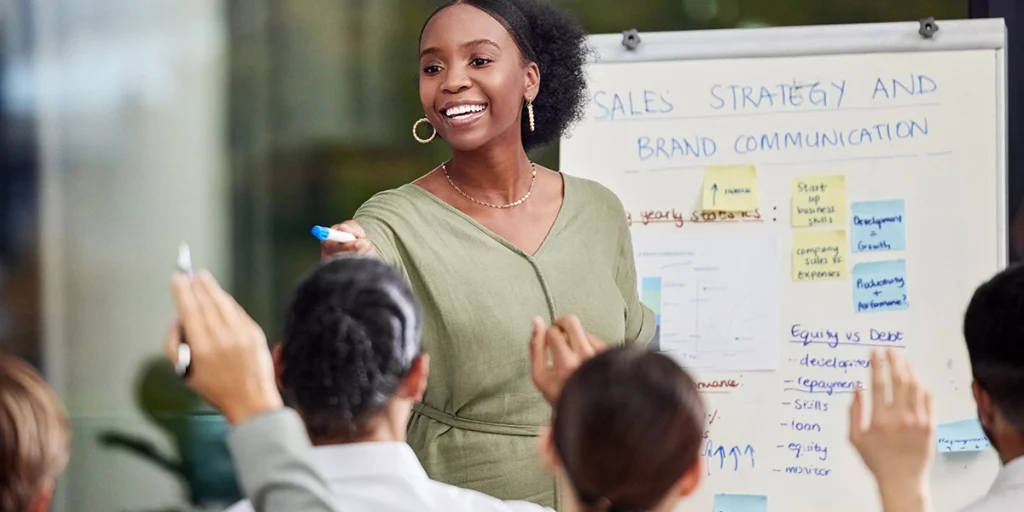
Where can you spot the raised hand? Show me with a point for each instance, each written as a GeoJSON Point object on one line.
{"type": "Point", "coordinates": [556, 352]}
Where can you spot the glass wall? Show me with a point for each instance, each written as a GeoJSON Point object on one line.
{"type": "Point", "coordinates": [235, 125]}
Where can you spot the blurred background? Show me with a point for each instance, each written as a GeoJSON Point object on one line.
{"type": "Point", "coordinates": [127, 127]}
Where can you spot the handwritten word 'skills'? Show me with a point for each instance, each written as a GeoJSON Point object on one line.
{"type": "Point", "coordinates": [880, 286]}
{"type": "Point", "coordinates": [819, 201]}
{"type": "Point", "coordinates": [819, 255]}
{"type": "Point", "coordinates": [730, 189]}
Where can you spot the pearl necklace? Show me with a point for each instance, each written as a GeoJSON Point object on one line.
{"type": "Point", "coordinates": [533, 180]}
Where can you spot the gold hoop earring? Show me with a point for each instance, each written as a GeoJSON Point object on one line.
{"type": "Point", "coordinates": [529, 112]}
{"type": "Point", "coordinates": [433, 132]}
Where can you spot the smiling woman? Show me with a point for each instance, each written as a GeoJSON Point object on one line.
{"type": "Point", "coordinates": [489, 239]}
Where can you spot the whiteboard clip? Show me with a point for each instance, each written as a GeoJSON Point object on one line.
{"type": "Point", "coordinates": [928, 28]}
{"type": "Point", "coordinates": [630, 39]}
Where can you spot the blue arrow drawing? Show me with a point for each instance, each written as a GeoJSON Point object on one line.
{"type": "Point", "coordinates": [734, 452]}
{"type": "Point", "coordinates": [714, 193]}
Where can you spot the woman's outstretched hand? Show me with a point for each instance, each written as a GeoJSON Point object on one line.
{"type": "Point", "coordinates": [361, 245]}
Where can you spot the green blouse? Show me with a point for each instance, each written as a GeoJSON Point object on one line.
{"type": "Point", "coordinates": [478, 422]}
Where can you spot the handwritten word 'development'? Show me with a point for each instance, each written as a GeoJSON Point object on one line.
{"type": "Point", "coordinates": [834, 363]}
{"type": "Point", "coordinates": [738, 454]}
{"type": "Point", "coordinates": [828, 387]}
{"type": "Point", "coordinates": [808, 449]}
{"type": "Point", "coordinates": [877, 222]}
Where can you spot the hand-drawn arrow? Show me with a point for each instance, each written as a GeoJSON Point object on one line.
{"type": "Point", "coordinates": [749, 450]}
{"type": "Point", "coordinates": [720, 451]}
{"type": "Point", "coordinates": [734, 452]}
{"type": "Point", "coordinates": [714, 193]}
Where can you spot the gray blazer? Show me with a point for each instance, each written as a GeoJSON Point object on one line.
{"type": "Point", "coordinates": [273, 459]}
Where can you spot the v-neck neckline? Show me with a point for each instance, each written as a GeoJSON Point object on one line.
{"type": "Point", "coordinates": [555, 226]}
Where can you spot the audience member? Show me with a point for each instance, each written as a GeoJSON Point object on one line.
{"type": "Point", "coordinates": [994, 332]}
{"type": "Point", "coordinates": [351, 364]}
{"type": "Point", "coordinates": [35, 438]}
{"type": "Point", "coordinates": [277, 466]}
{"type": "Point", "coordinates": [627, 432]}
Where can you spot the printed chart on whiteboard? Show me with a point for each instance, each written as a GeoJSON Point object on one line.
{"type": "Point", "coordinates": [716, 307]}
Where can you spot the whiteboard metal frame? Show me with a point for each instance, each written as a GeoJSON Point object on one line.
{"type": "Point", "coordinates": [806, 41]}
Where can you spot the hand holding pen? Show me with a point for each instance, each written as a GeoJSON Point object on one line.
{"type": "Point", "coordinates": [229, 362]}
{"type": "Point", "coordinates": [184, 352]}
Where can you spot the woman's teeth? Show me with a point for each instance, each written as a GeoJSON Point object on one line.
{"type": "Point", "coordinates": [464, 110]}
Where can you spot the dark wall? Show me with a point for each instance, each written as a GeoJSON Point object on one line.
{"type": "Point", "coordinates": [1014, 15]}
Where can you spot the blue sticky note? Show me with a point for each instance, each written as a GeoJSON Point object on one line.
{"type": "Point", "coordinates": [741, 503]}
{"type": "Point", "coordinates": [962, 436]}
{"type": "Point", "coordinates": [880, 286]}
{"type": "Point", "coordinates": [878, 226]}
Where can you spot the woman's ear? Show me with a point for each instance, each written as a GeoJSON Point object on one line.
{"type": "Point", "coordinates": [415, 383]}
{"type": "Point", "coordinates": [692, 479]}
{"type": "Point", "coordinates": [532, 81]}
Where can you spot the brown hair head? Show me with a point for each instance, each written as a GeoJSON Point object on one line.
{"type": "Point", "coordinates": [35, 438]}
{"type": "Point", "coordinates": [627, 427]}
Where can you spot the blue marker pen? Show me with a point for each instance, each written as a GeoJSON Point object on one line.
{"type": "Point", "coordinates": [323, 234]}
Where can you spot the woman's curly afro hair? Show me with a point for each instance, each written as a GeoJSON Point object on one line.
{"type": "Point", "coordinates": [554, 40]}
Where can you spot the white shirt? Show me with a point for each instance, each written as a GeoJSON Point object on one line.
{"type": "Point", "coordinates": [1007, 493]}
{"type": "Point", "coordinates": [387, 477]}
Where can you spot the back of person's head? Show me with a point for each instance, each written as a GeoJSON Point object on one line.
{"type": "Point", "coordinates": [627, 431]}
{"type": "Point", "coordinates": [351, 345]}
{"type": "Point", "coordinates": [994, 331]}
{"type": "Point", "coordinates": [35, 439]}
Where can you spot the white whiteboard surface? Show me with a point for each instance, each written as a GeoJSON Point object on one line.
{"type": "Point", "coordinates": [942, 152]}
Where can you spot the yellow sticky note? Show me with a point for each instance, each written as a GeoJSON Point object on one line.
{"type": "Point", "coordinates": [819, 255]}
{"type": "Point", "coordinates": [819, 201]}
{"type": "Point", "coordinates": [730, 189]}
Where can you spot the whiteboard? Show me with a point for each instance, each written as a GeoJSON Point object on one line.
{"type": "Point", "coordinates": [933, 141]}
